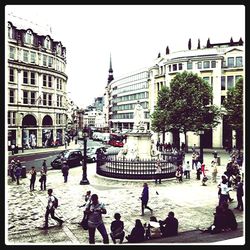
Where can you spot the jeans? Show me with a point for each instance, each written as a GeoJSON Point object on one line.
{"type": "Point", "coordinates": [32, 184]}
{"type": "Point", "coordinates": [52, 213]}
{"type": "Point", "coordinates": [101, 228]}
{"type": "Point", "coordinates": [43, 182]}
{"type": "Point", "coordinates": [65, 178]}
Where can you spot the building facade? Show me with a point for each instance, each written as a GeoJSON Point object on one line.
{"type": "Point", "coordinates": [36, 87]}
{"type": "Point", "coordinates": [220, 64]}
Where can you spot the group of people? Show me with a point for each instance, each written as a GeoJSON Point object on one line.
{"type": "Point", "coordinates": [168, 147]}
{"type": "Point", "coordinates": [15, 171]}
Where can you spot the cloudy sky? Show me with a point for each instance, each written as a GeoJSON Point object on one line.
{"type": "Point", "coordinates": [133, 34]}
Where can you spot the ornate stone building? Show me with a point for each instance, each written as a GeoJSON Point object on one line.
{"type": "Point", "coordinates": [36, 87]}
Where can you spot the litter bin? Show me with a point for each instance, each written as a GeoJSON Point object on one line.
{"type": "Point", "coordinates": [23, 172]}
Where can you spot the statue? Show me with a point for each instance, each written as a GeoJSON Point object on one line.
{"type": "Point", "coordinates": [139, 123]}
{"type": "Point", "coordinates": [154, 152]}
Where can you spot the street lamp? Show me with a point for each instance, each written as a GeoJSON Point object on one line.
{"type": "Point", "coordinates": [201, 133]}
{"type": "Point", "coordinates": [83, 136]}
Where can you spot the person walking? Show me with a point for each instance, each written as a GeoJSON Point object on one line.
{"type": "Point", "coordinates": [239, 193]}
{"type": "Point", "coordinates": [158, 171]}
{"type": "Point", "coordinates": [65, 171]}
{"type": "Point", "coordinates": [144, 199]}
{"type": "Point", "coordinates": [203, 174]}
{"type": "Point", "coordinates": [223, 191]}
{"type": "Point", "coordinates": [18, 171]}
{"type": "Point", "coordinates": [44, 165]}
{"type": "Point", "coordinates": [187, 169]}
{"type": "Point", "coordinates": [12, 170]}
{"type": "Point", "coordinates": [198, 170]}
{"type": "Point", "coordinates": [116, 228]}
{"type": "Point", "coordinates": [50, 209]}
{"type": "Point", "coordinates": [43, 177]}
{"type": "Point", "coordinates": [87, 200]}
{"type": "Point", "coordinates": [169, 226]}
{"type": "Point", "coordinates": [32, 178]}
{"type": "Point", "coordinates": [214, 171]}
{"type": "Point", "coordinates": [94, 211]}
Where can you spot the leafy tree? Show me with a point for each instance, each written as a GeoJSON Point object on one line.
{"type": "Point", "coordinates": [233, 104]}
{"type": "Point", "coordinates": [187, 107]}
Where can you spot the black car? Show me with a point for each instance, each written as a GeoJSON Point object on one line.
{"type": "Point", "coordinates": [73, 157]}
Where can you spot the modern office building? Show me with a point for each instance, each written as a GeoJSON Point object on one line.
{"type": "Point", "coordinates": [36, 85]}
{"type": "Point", "coordinates": [220, 64]}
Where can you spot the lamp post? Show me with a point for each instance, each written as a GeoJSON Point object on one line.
{"type": "Point", "coordinates": [83, 136]}
{"type": "Point", "coordinates": [201, 133]}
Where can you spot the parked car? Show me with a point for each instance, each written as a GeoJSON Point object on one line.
{"type": "Point", "coordinates": [73, 157]}
{"type": "Point", "coordinates": [92, 153]}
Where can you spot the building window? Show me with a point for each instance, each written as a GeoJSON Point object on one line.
{"type": "Point", "coordinates": [12, 54]}
{"type": "Point", "coordinates": [25, 97]}
{"type": "Point", "coordinates": [29, 37]}
{"type": "Point", "coordinates": [213, 64]}
{"type": "Point", "coordinates": [50, 100]}
{"type": "Point", "coordinates": [12, 76]}
{"type": "Point", "coordinates": [239, 61]}
{"type": "Point", "coordinates": [174, 67]}
{"type": "Point", "coordinates": [180, 66]}
{"type": "Point", "coordinates": [25, 77]}
{"type": "Point", "coordinates": [230, 82]}
{"type": "Point", "coordinates": [206, 79]}
{"type": "Point", "coordinates": [169, 68]}
{"type": "Point", "coordinates": [189, 65]}
{"type": "Point", "coordinates": [222, 99]}
{"type": "Point", "coordinates": [59, 101]}
{"type": "Point", "coordinates": [26, 56]}
{"type": "Point", "coordinates": [32, 97]}
{"type": "Point", "coordinates": [47, 43]}
{"type": "Point", "coordinates": [50, 61]}
{"type": "Point", "coordinates": [44, 99]}
{"type": "Point", "coordinates": [11, 118]}
{"type": "Point", "coordinates": [10, 31]}
{"type": "Point", "coordinates": [206, 64]}
{"type": "Point", "coordinates": [230, 62]}
{"type": "Point", "coordinates": [44, 80]}
{"type": "Point", "coordinates": [199, 65]}
{"type": "Point", "coordinates": [49, 81]}
{"type": "Point", "coordinates": [32, 78]}
{"type": "Point", "coordinates": [223, 83]}
{"type": "Point", "coordinates": [32, 57]}
{"type": "Point", "coordinates": [44, 60]}
{"type": "Point", "coordinates": [12, 96]}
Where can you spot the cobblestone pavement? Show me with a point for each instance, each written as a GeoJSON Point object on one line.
{"type": "Point", "coordinates": [192, 203]}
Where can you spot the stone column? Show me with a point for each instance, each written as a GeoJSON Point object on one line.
{"type": "Point", "coordinates": [39, 137]}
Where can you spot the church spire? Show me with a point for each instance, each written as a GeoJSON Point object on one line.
{"type": "Point", "coordinates": [110, 78]}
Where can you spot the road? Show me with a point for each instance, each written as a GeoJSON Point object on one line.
{"type": "Point", "coordinates": [36, 159]}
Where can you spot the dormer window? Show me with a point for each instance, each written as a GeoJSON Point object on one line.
{"type": "Point", "coordinates": [47, 43]}
{"type": "Point", "coordinates": [10, 32]}
{"type": "Point", "coordinates": [59, 49]}
{"type": "Point", "coordinates": [29, 37]}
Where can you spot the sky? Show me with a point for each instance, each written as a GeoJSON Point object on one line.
{"type": "Point", "coordinates": [132, 34]}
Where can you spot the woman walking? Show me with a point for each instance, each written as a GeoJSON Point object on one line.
{"type": "Point", "coordinates": [144, 199]}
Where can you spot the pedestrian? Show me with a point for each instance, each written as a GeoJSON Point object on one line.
{"type": "Point", "coordinates": [187, 169]}
{"type": "Point", "coordinates": [214, 170]}
{"type": "Point", "coordinates": [65, 171]}
{"type": "Point", "coordinates": [50, 209]}
{"type": "Point", "coordinates": [44, 165]}
{"type": "Point", "coordinates": [178, 174]}
{"type": "Point", "coordinates": [18, 171]}
{"type": "Point", "coordinates": [87, 200]}
{"type": "Point", "coordinates": [12, 170]}
{"type": "Point", "coordinates": [158, 171]}
{"type": "Point", "coordinates": [198, 170]}
{"type": "Point", "coordinates": [137, 233]}
{"type": "Point", "coordinates": [239, 193]}
{"type": "Point", "coordinates": [94, 211]}
{"type": "Point", "coordinates": [203, 174]}
{"type": "Point", "coordinates": [223, 190]}
{"type": "Point", "coordinates": [116, 228]}
{"type": "Point", "coordinates": [32, 173]}
{"type": "Point", "coordinates": [43, 177]}
{"type": "Point", "coordinates": [169, 226]}
{"type": "Point", "coordinates": [144, 199]}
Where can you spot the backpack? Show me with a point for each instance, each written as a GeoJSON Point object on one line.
{"type": "Point", "coordinates": [55, 203]}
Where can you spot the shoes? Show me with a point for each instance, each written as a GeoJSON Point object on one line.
{"type": "Point", "coordinates": [60, 223]}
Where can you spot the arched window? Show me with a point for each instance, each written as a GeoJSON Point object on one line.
{"type": "Point", "coordinates": [29, 37]}
{"type": "Point", "coordinates": [29, 121]}
{"type": "Point", "coordinates": [47, 43]}
{"type": "Point", "coordinates": [47, 121]}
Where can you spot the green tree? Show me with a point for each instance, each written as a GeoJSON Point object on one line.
{"type": "Point", "coordinates": [233, 104]}
{"type": "Point", "coordinates": [188, 105]}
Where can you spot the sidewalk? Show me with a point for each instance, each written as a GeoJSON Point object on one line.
{"type": "Point", "coordinates": [192, 203]}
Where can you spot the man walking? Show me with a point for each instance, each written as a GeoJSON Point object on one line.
{"type": "Point", "coordinates": [18, 171]}
{"type": "Point", "coordinates": [50, 210]}
{"type": "Point", "coordinates": [65, 171]}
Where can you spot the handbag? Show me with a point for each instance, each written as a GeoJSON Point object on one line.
{"type": "Point", "coordinates": [40, 179]}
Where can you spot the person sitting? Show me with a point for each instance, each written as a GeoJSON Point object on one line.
{"type": "Point", "coordinates": [116, 228]}
{"type": "Point", "coordinates": [137, 233]}
{"type": "Point", "coordinates": [230, 220]}
{"type": "Point", "coordinates": [153, 230]}
{"type": "Point", "coordinates": [218, 223]}
{"type": "Point", "coordinates": [169, 226]}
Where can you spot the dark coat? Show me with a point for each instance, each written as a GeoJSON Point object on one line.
{"type": "Point", "coordinates": [65, 169]}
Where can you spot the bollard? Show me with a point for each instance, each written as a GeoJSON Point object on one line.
{"type": "Point", "coordinates": [23, 172]}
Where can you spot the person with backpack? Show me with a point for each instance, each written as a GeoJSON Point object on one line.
{"type": "Point", "coordinates": [50, 209]}
{"type": "Point", "coordinates": [18, 171]}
